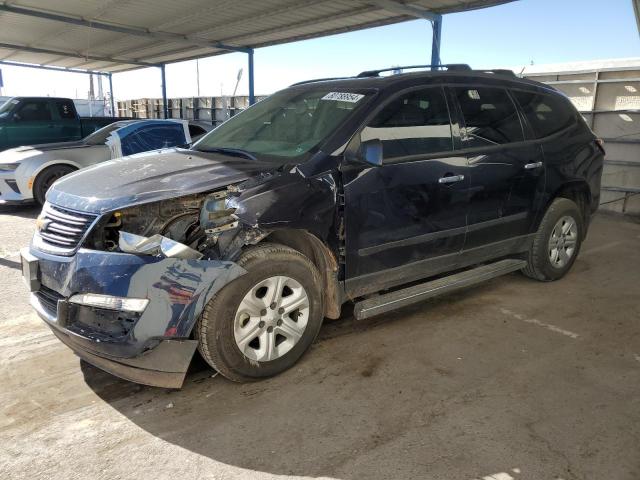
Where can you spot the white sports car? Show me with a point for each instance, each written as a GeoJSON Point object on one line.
{"type": "Point", "coordinates": [26, 173]}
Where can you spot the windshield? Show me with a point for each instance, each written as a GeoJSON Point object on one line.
{"type": "Point", "coordinates": [99, 137]}
{"type": "Point", "coordinates": [7, 106]}
{"type": "Point", "coordinates": [286, 125]}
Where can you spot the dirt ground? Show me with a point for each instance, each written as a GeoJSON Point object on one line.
{"type": "Point", "coordinates": [513, 379]}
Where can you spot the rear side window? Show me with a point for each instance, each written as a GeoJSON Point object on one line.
{"type": "Point", "coordinates": [416, 123]}
{"type": "Point", "coordinates": [195, 131]}
{"type": "Point", "coordinates": [490, 117]}
{"type": "Point", "coordinates": [65, 109]}
{"type": "Point", "coordinates": [33, 111]}
{"type": "Point", "coordinates": [547, 114]}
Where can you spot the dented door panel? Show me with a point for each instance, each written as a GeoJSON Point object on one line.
{"type": "Point", "coordinates": [400, 214]}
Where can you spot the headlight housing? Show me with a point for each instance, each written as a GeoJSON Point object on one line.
{"type": "Point", "coordinates": [8, 167]}
{"type": "Point", "coordinates": [109, 302]}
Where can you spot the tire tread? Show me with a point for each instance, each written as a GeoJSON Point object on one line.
{"type": "Point", "coordinates": [534, 261]}
{"type": "Point", "coordinates": [212, 309]}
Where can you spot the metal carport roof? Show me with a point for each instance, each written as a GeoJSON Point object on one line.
{"type": "Point", "coordinates": [109, 36]}
{"type": "Point", "coordinates": [119, 35]}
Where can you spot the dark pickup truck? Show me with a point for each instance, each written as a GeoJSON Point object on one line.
{"type": "Point", "coordinates": [35, 120]}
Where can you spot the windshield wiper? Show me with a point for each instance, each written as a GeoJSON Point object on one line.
{"type": "Point", "coordinates": [236, 152]}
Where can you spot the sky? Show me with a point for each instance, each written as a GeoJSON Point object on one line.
{"type": "Point", "coordinates": [513, 35]}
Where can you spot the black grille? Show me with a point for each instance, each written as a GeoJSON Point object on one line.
{"type": "Point", "coordinates": [61, 228]}
{"type": "Point", "coordinates": [49, 299]}
{"type": "Point", "coordinates": [13, 185]}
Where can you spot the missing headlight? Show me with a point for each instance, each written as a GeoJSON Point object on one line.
{"type": "Point", "coordinates": [195, 222]}
{"type": "Point", "coordinates": [156, 245]}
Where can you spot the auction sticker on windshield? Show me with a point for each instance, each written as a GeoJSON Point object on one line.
{"type": "Point", "coordinates": [343, 97]}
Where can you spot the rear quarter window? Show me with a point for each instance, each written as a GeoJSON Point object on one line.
{"type": "Point", "coordinates": [546, 114]}
{"type": "Point", "coordinates": [195, 131]}
{"type": "Point", "coordinates": [66, 109]}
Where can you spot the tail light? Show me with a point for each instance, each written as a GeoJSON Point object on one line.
{"type": "Point", "coordinates": [600, 144]}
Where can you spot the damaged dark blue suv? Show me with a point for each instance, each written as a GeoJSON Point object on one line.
{"type": "Point", "coordinates": [382, 190]}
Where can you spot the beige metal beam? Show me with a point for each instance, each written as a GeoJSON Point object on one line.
{"type": "Point", "coordinates": [395, 6]}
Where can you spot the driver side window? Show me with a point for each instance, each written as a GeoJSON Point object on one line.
{"type": "Point", "coordinates": [34, 112]}
{"type": "Point", "coordinates": [414, 123]}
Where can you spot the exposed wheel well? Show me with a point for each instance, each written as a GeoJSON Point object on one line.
{"type": "Point", "coordinates": [324, 260]}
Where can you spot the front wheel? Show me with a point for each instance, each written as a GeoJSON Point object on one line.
{"type": "Point", "coordinates": [557, 242]}
{"type": "Point", "coordinates": [261, 323]}
{"type": "Point", "coordinates": [46, 178]}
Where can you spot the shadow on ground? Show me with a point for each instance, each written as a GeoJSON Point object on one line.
{"type": "Point", "coordinates": [347, 397]}
{"type": "Point", "coordinates": [30, 210]}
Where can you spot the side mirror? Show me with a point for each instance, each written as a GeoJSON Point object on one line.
{"type": "Point", "coordinates": [371, 152]}
{"type": "Point", "coordinates": [16, 117]}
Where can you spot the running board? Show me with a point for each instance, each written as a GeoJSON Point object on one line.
{"type": "Point", "coordinates": [408, 296]}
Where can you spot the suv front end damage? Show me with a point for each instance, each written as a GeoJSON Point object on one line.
{"type": "Point", "coordinates": [130, 315]}
{"type": "Point", "coordinates": [123, 288]}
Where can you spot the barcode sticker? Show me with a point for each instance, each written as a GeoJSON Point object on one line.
{"type": "Point", "coordinates": [343, 97]}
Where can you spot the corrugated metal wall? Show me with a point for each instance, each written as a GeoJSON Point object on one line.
{"type": "Point", "coordinates": [609, 99]}
{"type": "Point", "coordinates": [213, 110]}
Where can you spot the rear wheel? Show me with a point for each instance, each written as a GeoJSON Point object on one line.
{"type": "Point", "coordinates": [261, 323]}
{"type": "Point", "coordinates": [45, 179]}
{"type": "Point", "coordinates": [557, 242]}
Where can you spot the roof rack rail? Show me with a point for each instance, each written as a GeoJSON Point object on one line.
{"type": "Point", "coordinates": [501, 71]}
{"type": "Point", "coordinates": [318, 80]}
{"type": "Point", "coordinates": [450, 66]}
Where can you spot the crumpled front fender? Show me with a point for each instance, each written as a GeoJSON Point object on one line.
{"type": "Point", "coordinates": [178, 291]}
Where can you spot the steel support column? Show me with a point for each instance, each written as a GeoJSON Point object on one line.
{"type": "Point", "coordinates": [436, 23]}
{"type": "Point", "coordinates": [252, 95]}
{"type": "Point", "coordinates": [165, 106]}
{"type": "Point", "coordinates": [636, 10]}
{"type": "Point", "coordinates": [113, 102]}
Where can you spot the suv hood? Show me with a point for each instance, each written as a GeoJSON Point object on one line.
{"type": "Point", "coordinates": [150, 177]}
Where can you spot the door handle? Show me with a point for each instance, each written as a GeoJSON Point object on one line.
{"type": "Point", "coordinates": [531, 166]}
{"type": "Point", "coordinates": [451, 179]}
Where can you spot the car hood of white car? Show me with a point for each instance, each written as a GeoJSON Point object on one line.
{"type": "Point", "coordinates": [48, 151]}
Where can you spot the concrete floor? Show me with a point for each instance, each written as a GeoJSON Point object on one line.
{"type": "Point", "coordinates": [510, 380]}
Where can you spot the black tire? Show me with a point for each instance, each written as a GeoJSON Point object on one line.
{"type": "Point", "coordinates": [215, 328]}
{"type": "Point", "coordinates": [46, 178]}
{"type": "Point", "coordinates": [539, 264]}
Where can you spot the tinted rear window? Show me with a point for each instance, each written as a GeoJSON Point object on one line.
{"type": "Point", "coordinates": [547, 114]}
{"type": "Point", "coordinates": [490, 116]}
